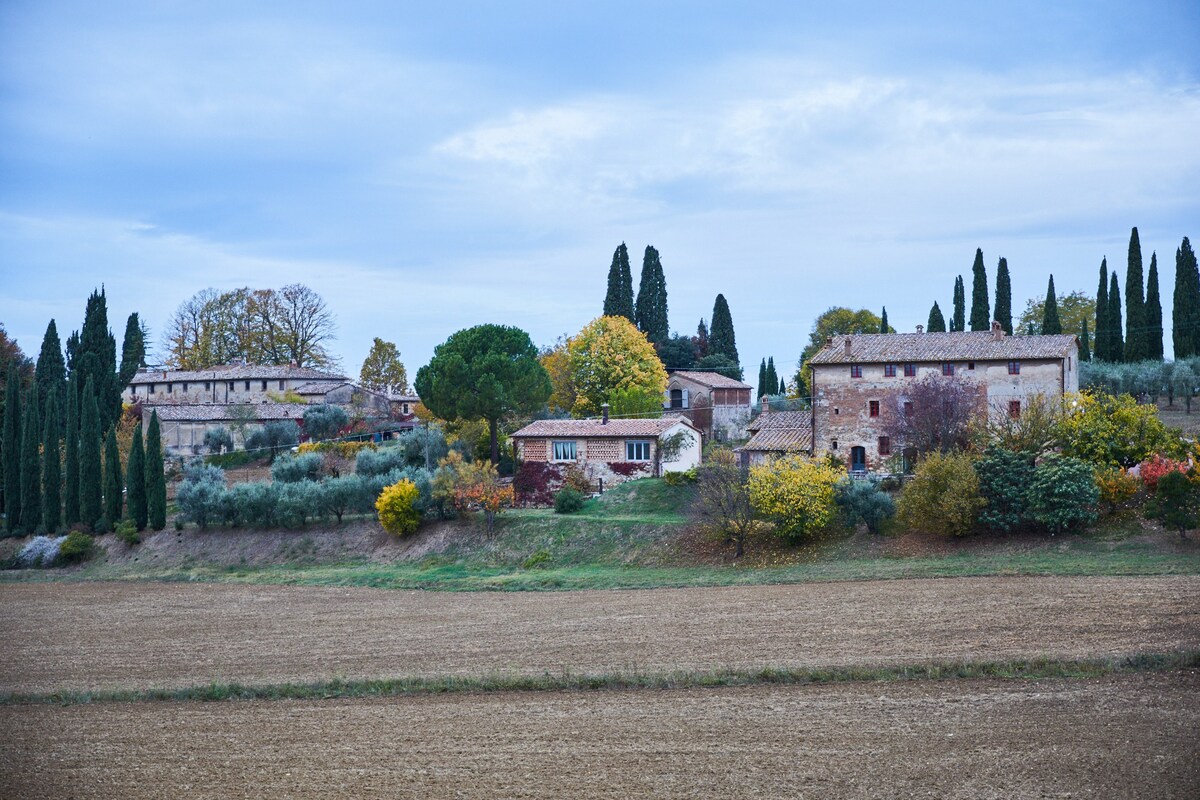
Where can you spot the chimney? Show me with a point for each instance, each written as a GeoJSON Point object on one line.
{"type": "Point", "coordinates": [997, 331]}
{"type": "Point", "coordinates": [847, 347]}
{"type": "Point", "coordinates": [604, 414]}
{"type": "Point", "coordinates": [766, 404]}
{"type": "Point", "coordinates": [828, 340]}
{"type": "Point", "coordinates": [920, 329]}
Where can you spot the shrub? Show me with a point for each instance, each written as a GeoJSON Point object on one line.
{"type": "Point", "coordinates": [127, 532]}
{"type": "Point", "coordinates": [1154, 468]}
{"type": "Point", "coordinates": [568, 501]}
{"type": "Point", "coordinates": [344, 495]}
{"type": "Point", "coordinates": [396, 508]}
{"type": "Point", "coordinates": [942, 495]}
{"type": "Point", "coordinates": [218, 440]}
{"type": "Point", "coordinates": [537, 560]}
{"type": "Point", "coordinates": [274, 436]}
{"type": "Point", "coordinates": [575, 478]}
{"type": "Point", "coordinates": [251, 504]}
{"type": "Point", "coordinates": [75, 547]}
{"type": "Point", "coordinates": [1003, 478]}
{"type": "Point", "coordinates": [863, 501]}
{"type": "Point", "coordinates": [1115, 431]}
{"type": "Point", "coordinates": [370, 463]}
{"type": "Point", "coordinates": [1116, 486]}
{"type": "Point", "coordinates": [201, 494]}
{"type": "Point", "coordinates": [623, 468]}
{"type": "Point", "coordinates": [1178, 502]}
{"type": "Point", "coordinates": [536, 482]}
{"type": "Point", "coordinates": [296, 502]}
{"type": "Point", "coordinates": [41, 551]}
{"type": "Point", "coordinates": [1062, 494]}
{"type": "Point", "coordinates": [292, 469]}
{"type": "Point", "coordinates": [680, 478]}
{"type": "Point", "coordinates": [424, 447]}
{"type": "Point", "coordinates": [794, 493]}
{"type": "Point", "coordinates": [348, 450]}
{"type": "Point", "coordinates": [323, 421]}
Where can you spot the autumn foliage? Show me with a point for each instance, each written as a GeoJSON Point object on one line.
{"type": "Point", "coordinates": [795, 493]}
{"type": "Point", "coordinates": [397, 508]}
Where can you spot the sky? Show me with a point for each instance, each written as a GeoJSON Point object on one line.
{"type": "Point", "coordinates": [428, 167]}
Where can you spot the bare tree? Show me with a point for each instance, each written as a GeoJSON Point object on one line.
{"type": "Point", "coordinates": [723, 500]}
{"type": "Point", "coordinates": [934, 414]}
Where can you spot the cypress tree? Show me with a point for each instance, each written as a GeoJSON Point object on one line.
{"type": "Point", "coordinates": [51, 469]}
{"type": "Point", "coordinates": [651, 306]}
{"type": "Point", "coordinates": [783, 387]}
{"type": "Point", "coordinates": [1102, 344]}
{"type": "Point", "coordinates": [618, 302]}
{"type": "Point", "coordinates": [701, 339]}
{"type": "Point", "coordinates": [1085, 351]}
{"type": "Point", "coordinates": [135, 479]}
{"type": "Point", "coordinates": [112, 478]}
{"type": "Point", "coordinates": [1004, 297]}
{"type": "Point", "coordinates": [1116, 339]}
{"type": "Point", "coordinates": [772, 375]}
{"type": "Point", "coordinates": [156, 479]}
{"type": "Point", "coordinates": [1154, 321]}
{"type": "Point", "coordinates": [762, 378]}
{"type": "Point", "coordinates": [96, 357]}
{"type": "Point", "coordinates": [71, 455]}
{"type": "Point", "coordinates": [937, 323]}
{"type": "Point", "coordinates": [12, 450]}
{"type": "Point", "coordinates": [959, 320]}
{"type": "Point", "coordinates": [1050, 323]}
{"type": "Point", "coordinates": [883, 323]}
{"type": "Point", "coordinates": [31, 464]}
{"type": "Point", "coordinates": [133, 351]}
{"type": "Point", "coordinates": [90, 492]}
{"type": "Point", "coordinates": [51, 374]}
{"type": "Point", "coordinates": [1187, 293]}
{"type": "Point", "coordinates": [1135, 304]}
{"type": "Point", "coordinates": [721, 339]}
{"type": "Point", "coordinates": [981, 315]}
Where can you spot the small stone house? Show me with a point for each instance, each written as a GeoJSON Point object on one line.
{"type": "Point", "coordinates": [717, 405]}
{"type": "Point", "coordinates": [611, 450]}
{"type": "Point", "coordinates": [776, 433]}
{"type": "Point", "coordinates": [855, 376]}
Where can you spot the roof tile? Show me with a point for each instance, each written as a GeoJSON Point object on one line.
{"type": "Point", "coordinates": [882, 348]}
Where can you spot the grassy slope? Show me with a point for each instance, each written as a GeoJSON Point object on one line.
{"type": "Point", "coordinates": [634, 537]}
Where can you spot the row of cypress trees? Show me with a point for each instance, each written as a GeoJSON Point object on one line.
{"type": "Point", "coordinates": [769, 381]}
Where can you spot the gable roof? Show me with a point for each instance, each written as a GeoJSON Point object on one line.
{"type": "Point", "coordinates": [229, 372]}
{"type": "Point", "coordinates": [713, 380]}
{"type": "Point", "coordinates": [224, 412]}
{"type": "Point", "coordinates": [781, 419]}
{"type": "Point", "coordinates": [595, 428]}
{"type": "Point", "coordinates": [781, 431]}
{"type": "Point", "coordinates": [881, 348]}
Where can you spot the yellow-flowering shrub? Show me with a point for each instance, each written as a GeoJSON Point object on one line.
{"type": "Point", "coordinates": [795, 493]}
{"type": "Point", "coordinates": [396, 508]}
{"type": "Point", "coordinates": [347, 450]}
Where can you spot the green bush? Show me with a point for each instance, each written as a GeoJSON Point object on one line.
{"type": "Point", "coordinates": [1062, 494]}
{"type": "Point", "coordinates": [1004, 476]}
{"type": "Point", "coordinates": [347, 494]}
{"type": "Point", "coordinates": [1177, 502]}
{"type": "Point", "coordinates": [78, 546]}
{"type": "Point", "coordinates": [680, 478]}
{"type": "Point", "coordinates": [942, 496]}
{"type": "Point", "coordinates": [296, 503]}
{"type": "Point", "coordinates": [250, 504]}
{"type": "Point", "coordinates": [863, 501]}
{"type": "Point", "coordinates": [292, 469]}
{"type": "Point", "coordinates": [201, 495]}
{"type": "Point", "coordinates": [568, 501]}
{"type": "Point", "coordinates": [218, 441]}
{"type": "Point", "coordinates": [127, 532]}
{"type": "Point", "coordinates": [323, 421]}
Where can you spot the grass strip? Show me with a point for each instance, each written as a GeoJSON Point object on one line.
{"type": "Point", "coordinates": [338, 688]}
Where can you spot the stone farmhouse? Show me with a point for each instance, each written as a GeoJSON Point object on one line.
{"type": "Point", "coordinates": [717, 405]}
{"type": "Point", "coordinates": [776, 433]}
{"type": "Point", "coordinates": [611, 450]}
{"type": "Point", "coordinates": [854, 376]}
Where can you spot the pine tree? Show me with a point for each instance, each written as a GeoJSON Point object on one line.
{"type": "Point", "coordinates": [981, 315]}
{"type": "Point", "coordinates": [12, 450]}
{"type": "Point", "coordinates": [156, 480]}
{"type": "Point", "coordinates": [1102, 348]}
{"type": "Point", "coordinates": [1154, 321]}
{"type": "Point", "coordinates": [135, 479]}
{"type": "Point", "coordinates": [618, 302]}
{"type": "Point", "coordinates": [721, 339]}
{"type": "Point", "coordinates": [937, 323]}
{"type": "Point", "coordinates": [51, 373]}
{"type": "Point", "coordinates": [959, 321]}
{"type": "Point", "coordinates": [1184, 311]}
{"type": "Point", "coordinates": [1135, 304]}
{"type": "Point", "coordinates": [883, 323]}
{"type": "Point", "coordinates": [762, 378]}
{"type": "Point", "coordinates": [1050, 323]}
{"type": "Point", "coordinates": [1116, 339]}
{"type": "Point", "coordinates": [31, 464]}
{"type": "Point", "coordinates": [651, 306]}
{"type": "Point", "coordinates": [772, 375]}
{"type": "Point", "coordinates": [71, 455]}
{"type": "Point", "coordinates": [112, 478]}
{"type": "Point", "coordinates": [1085, 351]}
{"type": "Point", "coordinates": [90, 493]}
{"type": "Point", "coordinates": [51, 469]}
{"type": "Point", "coordinates": [133, 350]}
{"type": "Point", "coordinates": [1004, 297]}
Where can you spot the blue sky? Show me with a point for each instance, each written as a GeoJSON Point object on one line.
{"type": "Point", "coordinates": [426, 167]}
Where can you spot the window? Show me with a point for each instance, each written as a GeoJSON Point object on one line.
{"type": "Point", "coordinates": [231, 386]}
{"type": "Point", "coordinates": [247, 386]}
{"type": "Point", "coordinates": [910, 370]}
{"type": "Point", "coordinates": [885, 446]}
{"type": "Point", "coordinates": [185, 388]}
{"type": "Point", "coordinates": [207, 385]}
{"type": "Point", "coordinates": [151, 389]}
{"type": "Point", "coordinates": [908, 408]}
{"type": "Point", "coordinates": [564, 451]}
{"type": "Point", "coordinates": [1014, 368]}
{"type": "Point", "coordinates": [855, 370]}
{"type": "Point", "coordinates": [677, 398]}
{"type": "Point", "coordinates": [170, 388]}
{"type": "Point", "coordinates": [970, 365]}
{"type": "Point", "coordinates": [281, 386]}
{"type": "Point", "coordinates": [836, 411]}
{"type": "Point", "coordinates": [873, 408]}
{"type": "Point", "coordinates": [833, 446]}
{"type": "Point", "coordinates": [1014, 409]}
{"type": "Point", "coordinates": [637, 451]}
{"type": "Point", "coordinates": [264, 386]}
{"type": "Point", "coordinates": [889, 370]}
{"type": "Point", "coordinates": [404, 408]}
{"type": "Point", "coordinates": [947, 368]}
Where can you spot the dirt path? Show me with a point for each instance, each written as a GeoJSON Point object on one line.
{"type": "Point", "coordinates": [140, 635]}
{"type": "Point", "coordinates": [1126, 736]}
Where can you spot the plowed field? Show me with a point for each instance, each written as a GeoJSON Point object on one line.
{"type": "Point", "coordinates": [1131, 736]}
{"type": "Point", "coordinates": [141, 635]}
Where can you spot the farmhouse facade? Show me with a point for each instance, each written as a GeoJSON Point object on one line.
{"type": "Point", "coordinates": [856, 379]}
{"type": "Point", "coordinates": [717, 405]}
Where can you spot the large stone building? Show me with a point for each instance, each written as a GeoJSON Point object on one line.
{"type": "Point", "coordinates": [856, 380]}
{"type": "Point", "coordinates": [719, 406]}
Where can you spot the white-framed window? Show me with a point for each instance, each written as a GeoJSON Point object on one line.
{"type": "Point", "coordinates": [564, 451]}
{"type": "Point", "coordinates": [637, 451]}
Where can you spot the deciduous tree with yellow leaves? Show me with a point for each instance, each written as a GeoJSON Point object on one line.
{"type": "Point", "coordinates": [609, 355]}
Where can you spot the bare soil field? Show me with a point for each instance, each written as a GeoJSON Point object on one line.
{"type": "Point", "coordinates": [1130, 736]}
{"type": "Point", "coordinates": [90, 636]}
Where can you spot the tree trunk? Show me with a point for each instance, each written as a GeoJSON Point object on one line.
{"type": "Point", "coordinates": [737, 553]}
{"type": "Point", "coordinates": [495, 442]}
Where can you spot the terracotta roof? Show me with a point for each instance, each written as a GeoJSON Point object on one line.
{"type": "Point", "coordinates": [229, 372]}
{"type": "Point", "coordinates": [714, 380]}
{"type": "Point", "coordinates": [881, 348]}
{"type": "Point", "coordinates": [224, 412]}
{"type": "Point", "coordinates": [786, 440]}
{"type": "Point", "coordinates": [594, 428]}
{"type": "Point", "coordinates": [781, 419]}
{"type": "Point", "coordinates": [320, 387]}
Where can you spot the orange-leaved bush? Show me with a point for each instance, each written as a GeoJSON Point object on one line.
{"type": "Point", "coordinates": [1153, 468]}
